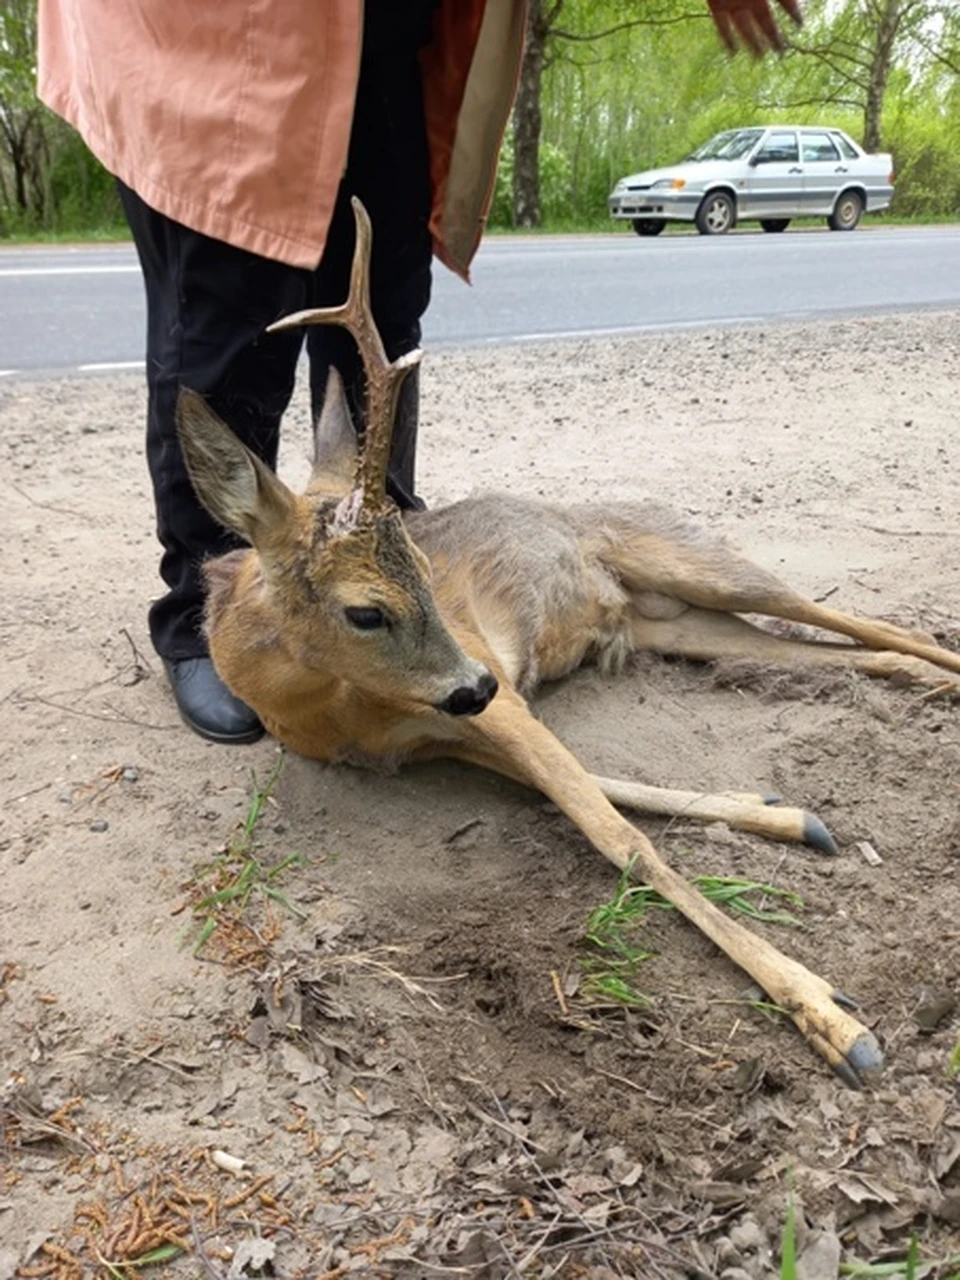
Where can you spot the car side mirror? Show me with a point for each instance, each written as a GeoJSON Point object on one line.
{"type": "Point", "coordinates": [753, 161]}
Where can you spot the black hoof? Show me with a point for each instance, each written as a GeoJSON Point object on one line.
{"type": "Point", "coordinates": [816, 835]}
{"type": "Point", "coordinates": [863, 1063]}
{"type": "Point", "coordinates": [843, 1001]}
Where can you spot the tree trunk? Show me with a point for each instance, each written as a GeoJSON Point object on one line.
{"type": "Point", "coordinates": [888, 28]}
{"type": "Point", "coordinates": [526, 118]}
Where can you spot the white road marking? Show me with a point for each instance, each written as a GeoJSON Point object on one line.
{"type": "Point", "coordinates": [7, 272]}
{"type": "Point", "coordinates": [620, 331]}
{"type": "Point", "coordinates": [108, 365]}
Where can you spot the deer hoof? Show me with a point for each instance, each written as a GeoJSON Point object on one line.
{"type": "Point", "coordinates": [863, 1063]}
{"type": "Point", "coordinates": [816, 835]}
{"type": "Point", "coordinates": [843, 1001]}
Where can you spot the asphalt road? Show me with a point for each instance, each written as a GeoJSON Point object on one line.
{"type": "Point", "coordinates": [82, 308]}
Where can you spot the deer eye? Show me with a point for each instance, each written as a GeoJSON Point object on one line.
{"type": "Point", "coordinates": [365, 619]}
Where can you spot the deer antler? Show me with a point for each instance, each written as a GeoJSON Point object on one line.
{"type": "Point", "coordinates": [384, 377]}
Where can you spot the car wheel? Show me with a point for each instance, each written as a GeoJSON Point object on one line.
{"type": "Point", "coordinates": [774, 224]}
{"type": "Point", "coordinates": [648, 226]}
{"type": "Point", "coordinates": [717, 214]}
{"type": "Point", "coordinates": [846, 212]}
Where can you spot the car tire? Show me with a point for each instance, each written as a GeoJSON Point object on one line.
{"type": "Point", "coordinates": [774, 224]}
{"type": "Point", "coordinates": [846, 212]}
{"type": "Point", "coordinates": [717, 214]}
{"type": "Point", "coordinates": [648, 226]}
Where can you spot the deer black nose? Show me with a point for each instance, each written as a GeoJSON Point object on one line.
{"type": "Point", "coordinates": [470, 699]}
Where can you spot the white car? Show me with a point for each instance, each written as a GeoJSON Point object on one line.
{"type": "Point", "coordinates": [768, 174]}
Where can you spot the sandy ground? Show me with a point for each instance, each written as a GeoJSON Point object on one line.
{"type": "Point", "coordinates": [385, 1048]}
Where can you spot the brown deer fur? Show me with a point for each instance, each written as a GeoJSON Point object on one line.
{"type": "Point", "coordinates": [358, 635]}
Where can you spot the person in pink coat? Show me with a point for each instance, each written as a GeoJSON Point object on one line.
{"type": "Point", "coordinates": [238, 133]}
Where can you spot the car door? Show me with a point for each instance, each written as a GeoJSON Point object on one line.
{"type": "Point", "coordinates": [825, 171]}
{"type": "Point", "coordinates": [774, 185]}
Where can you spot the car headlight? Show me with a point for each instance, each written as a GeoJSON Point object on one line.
{"type": "Point", "coordinates": [676, 184]}
{"type": "Point", "coordinates": [621, 186]}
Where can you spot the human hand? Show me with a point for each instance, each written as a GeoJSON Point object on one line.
{"type": "Point", "coordinates": [753, 22]}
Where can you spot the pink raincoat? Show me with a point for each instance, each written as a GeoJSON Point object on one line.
{"type": "Point", "coordinates": [233, 116]}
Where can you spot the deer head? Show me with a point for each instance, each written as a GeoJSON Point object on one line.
{"type": "Point", "coordinates": [333, 586]}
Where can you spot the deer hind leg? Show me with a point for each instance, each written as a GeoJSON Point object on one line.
{"type": "Point", "coordinates": [675, 574]}
{"type": "Point", "coordinates": [508, 739]}
{"type": "Point", "coordinates": [706, 635]}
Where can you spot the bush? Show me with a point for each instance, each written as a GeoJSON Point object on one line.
{"type": "Point", "coordinates": [556, 174]}
{"type": "Point", "coordinates": [83, 196]}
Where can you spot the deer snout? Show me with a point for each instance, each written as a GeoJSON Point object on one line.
{"type": "Point", "coordinates": [470, 699]}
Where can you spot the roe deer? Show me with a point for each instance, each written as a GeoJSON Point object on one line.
{"type": "Point", "coordinates": [359, 635]}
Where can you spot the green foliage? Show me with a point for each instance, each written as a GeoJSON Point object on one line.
{"type": "Point", "coordinates": [628, 84]}
{"type": "Point", "coordinates": [556, 177]}
{"type": "Point", "coordinates": [82, 194]}
{"type": "Point", "coordinates": [222, 890]}
{"type": "Point", "coordinates": [660, 84]}
{"type": "Point", "coordinates": [611, 958]}
{"type": "Point", "coordinates": [788, 1245]}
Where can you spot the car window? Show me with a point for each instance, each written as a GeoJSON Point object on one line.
{"type": "Point", "coordinates": [779, 147]}
{"type": "Point", "coordinates": [733, 144]}
{"type": "Point", "coordinates": [819, 146]}
{"type": "Point", "coordinates": [849, 151]}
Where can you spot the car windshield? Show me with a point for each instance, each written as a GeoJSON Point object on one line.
{"type": "Point", "coordinates": [731, 145]}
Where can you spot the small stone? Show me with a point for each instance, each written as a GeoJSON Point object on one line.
{"type": "Point", "coordinates": [747, 1236]}
{"type": "Point", "coordinates": [728, 1255]}
{"type": "Point", "coordinates": [933, 1007]}
{"type": "Point", "coordinates": [820, 1257]}
{"type": "Point", "coordinates": [130, 774]}
{"type": "Point", "coordinates": [99, 824]}
{"type": "Point", "coordinates": [929, 1060]}
{"type": "Point", "coordinates": [948, 1209]}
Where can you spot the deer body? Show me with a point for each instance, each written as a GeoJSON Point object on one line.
{"type": "Point", "coordinates": [359, 636]}
{"type": "Point", "coordinates": [531, 591]}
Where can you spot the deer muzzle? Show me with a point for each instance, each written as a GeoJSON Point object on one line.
{"type": "Point", "coordinates": [470, 699]}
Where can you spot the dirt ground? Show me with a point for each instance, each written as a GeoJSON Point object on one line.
{"type": "Point", "coordinates": [401, 1048]}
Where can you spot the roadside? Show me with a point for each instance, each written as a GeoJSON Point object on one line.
{"type": "Point", "coordinates": [385, 1046]}
{"type": "Point", "coordinates": [601, 225]}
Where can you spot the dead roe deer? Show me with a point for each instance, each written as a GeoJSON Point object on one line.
{"type": "Point", "coordinates": [362, 636]}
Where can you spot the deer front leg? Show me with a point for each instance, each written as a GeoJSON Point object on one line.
{"type": "Point", "coordinates": [508, 739]}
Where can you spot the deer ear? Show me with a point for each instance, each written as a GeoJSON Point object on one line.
{"type": "Point", "coordinates": [232, 483]}
{"type": "Point", "coordinates": [335, 448]}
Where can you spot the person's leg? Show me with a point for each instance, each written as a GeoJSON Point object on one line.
{"type": "Point", "coordinates": [207, 306]}
{"type": "Point", "coordinates": [388, 169]}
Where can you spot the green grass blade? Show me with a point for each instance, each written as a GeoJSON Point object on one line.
{"type": "Point", "coordinates": [206, 933]}
{"type": "Point", "coordinates": [788, 1247]}
{"type": "Point", "coordinates": [163, 1253]}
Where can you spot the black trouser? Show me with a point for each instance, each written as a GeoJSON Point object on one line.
{"type": "Point", "coordinates": [208, 304]}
